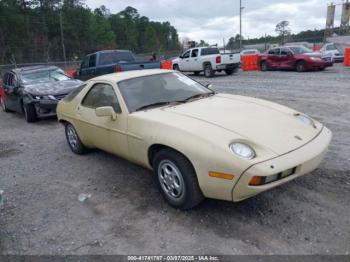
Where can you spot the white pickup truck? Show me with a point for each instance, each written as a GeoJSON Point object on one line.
{"type": "Point", "coordinates": [207, 60]}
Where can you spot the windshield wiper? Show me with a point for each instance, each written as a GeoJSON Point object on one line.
{"type": "Point", "coordinates": [153, 105]}
{"type": "Point", "coordinates": [198, 96]}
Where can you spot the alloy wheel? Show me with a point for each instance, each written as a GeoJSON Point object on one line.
{"type": "Point", "coordinates": [171, 179]}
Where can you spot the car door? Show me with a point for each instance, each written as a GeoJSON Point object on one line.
{"type": "Point", "coordinates": [273, 57]}
{"type": "Point", "coordinates": [12, 94]}
{"type": "Point", "coordinates": [185, 61]}
{"type": "Point", "coordinates": [194, 62]}
{"type": "Point", "coordinates": [103, 132]}
{"type": "Point", "coordinates": [286, 59]}
{"type": "Point", "coordinates": [88, 67]}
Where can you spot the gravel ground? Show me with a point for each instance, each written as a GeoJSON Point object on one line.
{"type": "Point", "coordinates": [126, 214]}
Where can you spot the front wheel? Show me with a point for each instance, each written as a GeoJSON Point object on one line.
{"type": "Point", "coordinates": [176, 67]}
{"type": "Point", "coordinates": [177, 179]}
{"type": "Point", "coordinates": [3, 105]}
{"type": "Point", "coordinates": [300, 66]}
{"type": "Point", "coordinates": [208, 71]}
{"type": "Point", "coordinates": [30, 113]}
{"type": "Point", "coordinates": [74, 141]}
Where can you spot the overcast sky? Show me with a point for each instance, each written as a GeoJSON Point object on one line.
{"type": "Point", "coordinates": [211, 20]}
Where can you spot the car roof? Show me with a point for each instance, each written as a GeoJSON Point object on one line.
{"type": "Point", "coordinates": [117, 77]}
{"type": "Point", "coordinates": [32, 68]}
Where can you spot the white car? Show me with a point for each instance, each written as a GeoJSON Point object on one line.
{"type": "Point", "coordinates": [331, 52]}
{"type": "Point", "coordinates": [207, 60]}
{"type": "Point", "coordinates": [250, 52]}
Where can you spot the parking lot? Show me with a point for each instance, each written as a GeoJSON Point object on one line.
{"type": "Point", "coordinates": [126, 214]}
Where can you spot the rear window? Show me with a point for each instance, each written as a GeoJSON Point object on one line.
{"type": "Point", "coordinates": [210, 51]}
{"type": "Point", "coordinates": [73, 94]}
{"type": "Point", "coordinates": [116, 57]}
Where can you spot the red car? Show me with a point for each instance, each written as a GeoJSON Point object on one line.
{"type": "Point", "coordinates": [297, 58]}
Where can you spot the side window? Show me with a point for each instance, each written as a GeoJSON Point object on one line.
{"type": "Point", "coordinates": [187, 54]}
{"type": "Point", "coordinates": [274, 51]}
{"type": "Point", "coordinates": [102, 95]}
{"type": "Point", "coordinates": [194, 53]}
{"type": "Point", "coordinates": [85, 63]}
{"type": "Point", "coordinates": [285, 52]}
{"type": "Point", "coordinates": [92, 61]}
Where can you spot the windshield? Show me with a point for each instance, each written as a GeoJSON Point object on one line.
{"type": "Point", "coordinates": [157, 89]}
{"type": "Point", "coordinates": [300, 50]}
{"type": "Point", "coordinates": [116, 57]}
{"type": "Point", "coordinates": [43, 76]}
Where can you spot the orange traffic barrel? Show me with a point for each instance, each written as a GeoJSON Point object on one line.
{"type": "Point", "coordinates": [166, 65]}
{"type": "Point", "coordinates": [250, 62]}
{"type": "Point", "coordinates": [347, 57]}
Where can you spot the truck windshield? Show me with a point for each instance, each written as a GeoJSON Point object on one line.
{"type": "Point", "coordinates": [159, 90]}
{"type": "Point", "coordinates": [300, 50]}
{"type": "Point", "coordinates": [43, 76]}
{"type": "Point", "coordinates": [116, 57]}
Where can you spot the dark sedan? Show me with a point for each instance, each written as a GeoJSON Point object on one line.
{"type": "Point", "coordinates": [35, 91]}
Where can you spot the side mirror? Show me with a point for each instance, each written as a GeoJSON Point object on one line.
{"type": "Point", "coordinates": [106, 111]}
{"type": "Point", "coordinates": [180, 57]}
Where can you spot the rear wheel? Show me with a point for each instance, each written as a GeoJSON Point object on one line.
{"type": "Point", "coordinates": [264, 66]}
{"type": "Point", "coordinates": [300, 66]}
{"type": "Point", "coordinates": [177, 179]}
{"type": "Point", "coordinates": [3, 105]}
{"type": "Point", "coordinates": [208, 71]}
{"type": "Point", "coordinates": [229, 71]}
{"type": "Point", "coordinates": [74, 141]}
{"type": "Point", "coordinates": [30, 113]}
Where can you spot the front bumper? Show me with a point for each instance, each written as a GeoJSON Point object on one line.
{"type": "Point", "coordinates": [305, 159]}
{"type": "Point", "coordinates": [46, 108]}
{"type": "Point", "coordinates": [318, 64]}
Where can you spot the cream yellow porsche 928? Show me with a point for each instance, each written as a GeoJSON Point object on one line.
{"type": "Point", "coordinates": [199, 143]}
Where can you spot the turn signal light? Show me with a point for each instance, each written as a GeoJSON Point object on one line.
{"type": "Point", "coordinates": [256, 181]}
{"type": "Point", "coordinates": [221, 175]}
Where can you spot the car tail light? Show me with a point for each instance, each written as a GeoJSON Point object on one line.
{"type": "Point", "coordinates": [117, 68]}
{"type": "Point", "coordinates": [218, 59]}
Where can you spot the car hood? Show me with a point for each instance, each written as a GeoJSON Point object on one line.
{"type": "Point", "coordinates": [270, 125]}
{"type": "Point", "coordinates": [53, 88]}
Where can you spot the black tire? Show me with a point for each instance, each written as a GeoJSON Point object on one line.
{"type": "Point", "coordinates": [196, 73]}
{"type": "Point", "coordinates": [176, 67]}
{"type": "Point", "coordinates": [191, 194]}
{"type": "Point", "coordinates": [300, 66]}
{"type": "Point", "coordinates": [264, 66]}
{"type": "Point", "coordinates": [3, 105]}
{"type": "Point", "coordinates": [77, 147]}
{"type": "Point", "coordinates": [30, 113]}
{"type": "Point", "coordinates": [208, 71]}
{"type": "Point", "coordinates": [229, 71]}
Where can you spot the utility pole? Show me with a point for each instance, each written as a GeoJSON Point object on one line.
{"type": "Point", "coordinates": [62, 38]}
{"type": "Point", "coordinates": [240, 24]}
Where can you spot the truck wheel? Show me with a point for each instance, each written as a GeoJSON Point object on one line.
{"type": "Point", "coordinates": [177, 179]}
{"type": "Point", "coordinates": [229, 72]}
{"type": "Point", "coordinates": [176, 67]}
{"type": "Point", "coordinates": [208, 71]}
{"type": "Point", "coordinates": [264, 66]}
{"type": "Point", "coordinates": [3, 105]}
{"type": "Point", "coordinates": [300, 66]}
{"type": "Point", "coordinates": [30, 113]}
{"type": "Point", "coordinates": [74, 141]}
